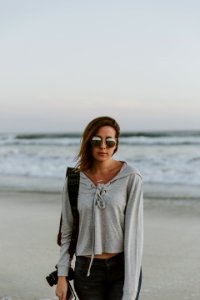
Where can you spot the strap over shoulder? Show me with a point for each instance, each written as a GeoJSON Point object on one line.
{"type": "Point", "coordinates": [73, 178]}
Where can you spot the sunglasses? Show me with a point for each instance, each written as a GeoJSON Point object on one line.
{"type": "Point", "coordinates": [96, 141]}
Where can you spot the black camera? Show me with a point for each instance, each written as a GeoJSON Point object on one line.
{"type": "Point", "coordinates": [52, 279]}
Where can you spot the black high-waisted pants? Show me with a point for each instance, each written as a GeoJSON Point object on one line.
{"type": "Point", "coordinates": [106, 278]}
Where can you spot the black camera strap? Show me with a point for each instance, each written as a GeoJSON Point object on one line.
{"type": "Point", "coordinates": [73, 178]}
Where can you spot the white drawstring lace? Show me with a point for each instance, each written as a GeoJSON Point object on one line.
{"type": "Point", "coordinates": [99, 201]}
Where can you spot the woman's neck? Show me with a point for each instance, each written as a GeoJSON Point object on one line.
{"type": "Point", "coordinates": [103, 172]}
{"type": "Point", "coordinates": [103, 167]}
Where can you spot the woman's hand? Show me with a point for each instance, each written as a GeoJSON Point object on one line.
{"type": "Point", "coordinates": [61, 288]}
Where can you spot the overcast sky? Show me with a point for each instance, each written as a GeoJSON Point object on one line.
{"type": "Point", "coordinates": [65, 62]}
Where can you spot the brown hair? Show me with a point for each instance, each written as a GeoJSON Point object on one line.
{"type": "Point", "coordinates": [84, 157]}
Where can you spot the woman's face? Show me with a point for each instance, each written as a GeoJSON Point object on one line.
{"type": "Point", "coordinates": [103, 143]}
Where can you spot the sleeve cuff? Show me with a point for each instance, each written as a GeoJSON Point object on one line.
{"type": "Point", "coordinates": [63, 270]}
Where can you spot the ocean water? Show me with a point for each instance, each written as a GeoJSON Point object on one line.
{"type": "Point", "coordinates": [170, 157]}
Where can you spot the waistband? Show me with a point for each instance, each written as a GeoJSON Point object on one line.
{"type": "Point", "coordinates": [115, 258]}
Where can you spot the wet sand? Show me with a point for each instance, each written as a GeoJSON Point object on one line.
{"type": "Point", "coordinates": [28, 250]}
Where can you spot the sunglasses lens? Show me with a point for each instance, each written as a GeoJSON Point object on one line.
{"type": "Point", "coordinates": [96, 141]}
{"type": "Point", "coordinates": [110, 143]}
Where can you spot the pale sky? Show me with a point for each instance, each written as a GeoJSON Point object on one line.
{"type": "Point", "coordinates": [65, 62]}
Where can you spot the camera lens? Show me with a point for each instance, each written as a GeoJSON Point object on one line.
{"type": "Point", "coordinates": [52, 278]}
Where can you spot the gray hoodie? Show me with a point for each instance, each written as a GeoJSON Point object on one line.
{"type": "Point", "coordinates": [110, 221]}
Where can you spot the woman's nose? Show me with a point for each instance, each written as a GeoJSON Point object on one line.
{"type": "Point", "coordinates": [103, 143]}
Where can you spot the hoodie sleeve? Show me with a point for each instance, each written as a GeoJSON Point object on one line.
{"type": "Point", "coordinates": [66, 232]}
{"type": "Point", "coordinates": [133, 240]}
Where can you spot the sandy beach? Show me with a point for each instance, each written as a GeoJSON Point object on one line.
{"type": "Point", "coordinates": [28, 250]}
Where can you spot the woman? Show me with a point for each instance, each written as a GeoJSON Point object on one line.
{"type": "Point", "coordinates": [110, 205]}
